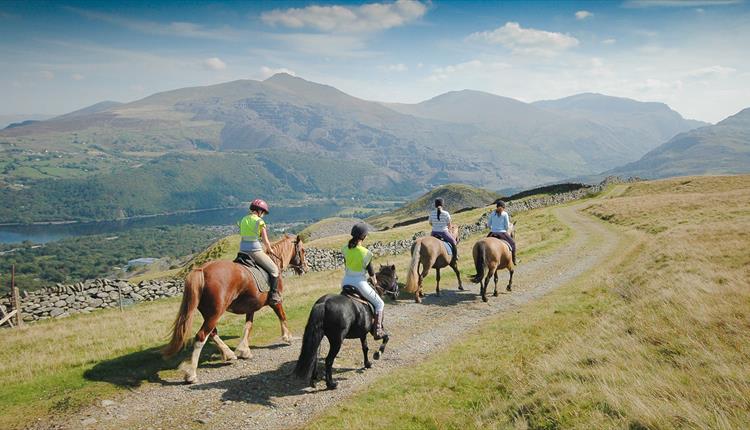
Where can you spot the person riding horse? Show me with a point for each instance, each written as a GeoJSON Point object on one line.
{"type": "Point", "coordinates": [253, 231]}
{"type": "Point", "coordinates": [499, 224]}
{"type": "Point", "coordinates": [358, 264]}
{"type": "Point", "coordinates": [440, 220]}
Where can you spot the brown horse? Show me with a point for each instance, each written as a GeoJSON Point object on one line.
{"type": "Point", "coordinates": [223, 285]}
{"type": "Point", "coordinates": [429, 252]}
{"type": "Point", "coordinates": [495, 254]}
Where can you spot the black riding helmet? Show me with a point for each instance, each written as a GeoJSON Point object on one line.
{"type": "Point", "coordinates": [500, 204]}
{"type": "Point", "coordinates": [360, 230]}
{"type": "Point", "coordinates": [438, 202]}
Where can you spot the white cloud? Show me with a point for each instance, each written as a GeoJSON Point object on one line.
{"type": "Point", "coordinates": [678, 3]}
{"type": "Point", "coordinates": [336, 18]}
{"type": "Point", "coordinates": [327, 45]}
{"type": "Point", "coordinates": [711, 72]}
{"type": "Point", "coordinates": [77, 77]}
{"type": "Point", "coordinates": [177, 29]}
{"type": "Point", "coordinates": [400, 67]}
{"type": "Point", "coordinates": [214, 63]}
{"type": "Point", "coordinates": [609, 41]}
{"type": "Point", "coordinates": [526, 40]}
{"type": "Point", "coordinates": [583, 14]}
{"type": "Point", "coordinates": [267, 72]}
{"type": "Point", "coordinates": [46, 74]}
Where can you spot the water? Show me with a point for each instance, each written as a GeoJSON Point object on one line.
{"type": "Point", "coordinates": [49, 233]}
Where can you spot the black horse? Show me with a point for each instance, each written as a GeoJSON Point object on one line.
{"type": "Point", "coordinates": [338, 317]}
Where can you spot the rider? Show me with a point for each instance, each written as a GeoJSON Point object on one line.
{"type": "Point", "coordinates": [358, 264]}
{"type": "Point", "coordinates": [499, 224]}
{"type": "Point", "coordinates": [253, 231]}
{"type": "Point", "coordinates": [440, 220]}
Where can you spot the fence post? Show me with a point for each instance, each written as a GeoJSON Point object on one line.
{"type": "Point", "coordinates": [119, 295]}
{"type": "Point", "coordinates": [15, 299]}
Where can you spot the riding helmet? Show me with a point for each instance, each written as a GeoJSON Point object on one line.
{"type": "Point", "coordinates": [438, 202]}
{"type": "Point", "coordinates": [359, 230]}
{"type": "Point", "coordinates": [259, 205]}
{"type": "Point", "coordinates": [500, 204]}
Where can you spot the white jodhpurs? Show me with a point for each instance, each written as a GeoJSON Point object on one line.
{"type": "Point", "coordinates": [365, 290]}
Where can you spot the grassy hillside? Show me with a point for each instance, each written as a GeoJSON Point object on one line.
{"type": "Point", "coordinates": [455, 196]}
{"type": "Point", "coordinates": [124, 354]}
{"type": "Point", "coordinates": [189, 181]}
{"type": "Point", "coordinates": [657, 338]}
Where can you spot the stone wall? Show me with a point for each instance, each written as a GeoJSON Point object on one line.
{"type": "Point", "coordinates": [63, 300]}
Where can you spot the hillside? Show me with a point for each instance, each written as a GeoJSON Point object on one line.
{"type": "Point", "coordinates": [455, 196]}
{"type": "Point", "coordinates": [466, 136]}
{"type": "Point", "coordinates": [723, 148]}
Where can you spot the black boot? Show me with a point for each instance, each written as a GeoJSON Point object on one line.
{"type": "Point", "coordinates": [377, 327]}
{"type": "Point", "coordinates": [454, 257]}
{"type": "Point", "coordinates": [274, 295]}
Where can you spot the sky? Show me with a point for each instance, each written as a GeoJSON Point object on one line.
{"type": "Point", "coordinates": [694, 55]}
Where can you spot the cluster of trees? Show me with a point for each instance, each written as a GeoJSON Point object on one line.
{"type": "Point", "coordinates": [85, 257]}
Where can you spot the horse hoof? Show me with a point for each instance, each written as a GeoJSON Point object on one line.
{"type": "Point", "coordinates": [494, 294]}
{"type": "Point", "coordinates": [287, 340]}
{"type": "Point", "coordinates": [508, 288]}
{"type": "Point", "coordinates": [376, 355]}
{"type": "Point", "coordinates": [191, 379]}
{"type": "Point", "coordinates": [368, 365]}
{"type": "Point", "coordinates": [244, 354]}
{"type": "Point", "coordinates": [484, 299]}
{"type": "Point", "coordinates": [460, 288]}
{"type": "Point", "coordinates": [331, 385]}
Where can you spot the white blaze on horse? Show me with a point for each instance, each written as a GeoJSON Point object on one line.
{"type": "Point", "coordinates": [430, 253]}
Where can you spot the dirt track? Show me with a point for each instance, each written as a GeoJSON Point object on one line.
{"type": "Point", "coordinates": [258, 393]}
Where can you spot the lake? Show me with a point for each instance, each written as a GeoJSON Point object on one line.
{"type": "Point", "coordinates": [279, 214]}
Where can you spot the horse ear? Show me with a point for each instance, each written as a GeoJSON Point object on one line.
{"type": "Point", "coordinates": [393, 266]}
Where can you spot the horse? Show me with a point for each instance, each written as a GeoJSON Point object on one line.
{"type": "Point", "coordinates": [496, 255]}
{"type": "Point", "coordinates": [387, 281]}
{"type": "Point", "coordinates": [430, 252]}
{"type": "Point", "coordinates": [223, 285]}
{"type": "Point", "coordinates": [337, 317]}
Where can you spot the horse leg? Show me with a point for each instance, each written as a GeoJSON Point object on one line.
{"type": "Point", "coordinates": [286, 335]}
{"type": "Point", "coordinates": [226, 353]}
{"type": "Point", "coordinates": [243, 349]}
{"type": "Point", "coordinates": [510, 281]}
{"type": "Point", "coordinates": [335, 346]}
{"type": "Point", "coordinates": [365, 351]}
{"type": "Point", "coordinates": [190, 368]}
{"type": "Point", "coordinates": [381, 349]}
{"type": "Point", "coordinates": [495, 280]}
{"type": "Point", "coordinates": [458, 276]}
{"type": "Point", "coordinates": [437, 282]}
{"type": "Point", "coordinates": [483, 289]}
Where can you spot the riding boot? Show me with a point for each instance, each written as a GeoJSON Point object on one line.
{"type": "Point", "coordinates": [377, 326]}
{"type": "Point", "coordinates": [274, 295]}
{"type": "Point", "coordinates": [514, 257]}
{"type": "Point", "coordinates": [454, 257]}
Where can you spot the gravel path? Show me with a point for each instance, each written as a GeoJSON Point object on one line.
{"type": "Point", "coordinates": [259, 393]}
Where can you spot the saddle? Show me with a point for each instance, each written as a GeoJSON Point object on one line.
{"type": "Point", "coordinates": [261, 277]}
{"type": "Point", "coordinates": [501, 240]}
{"type": "Point", "coordinates": [352, 293]}
{"type": "Point", "coordinates": [447, 245]}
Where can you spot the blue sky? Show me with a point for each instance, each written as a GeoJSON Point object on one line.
{"type": "Point", "coordinates": [59, 56]}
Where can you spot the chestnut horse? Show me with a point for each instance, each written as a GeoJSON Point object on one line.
{"type": "Point", "coordinates": [223, 285]}
{"type": "Point", "coordinates": [494, 254]}
{"type": "Point", "coordinates": [430, 252]}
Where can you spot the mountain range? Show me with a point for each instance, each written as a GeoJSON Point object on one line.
{"type": "Point", "coordinates": [290, 127]}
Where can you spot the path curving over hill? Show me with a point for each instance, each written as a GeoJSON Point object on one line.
{"type": "Point", "coordinates": [259, 393]}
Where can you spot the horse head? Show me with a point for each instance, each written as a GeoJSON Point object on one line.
{"type": "Point", "coordinates": [298, 262]}
{"type": "Point", "coordinates": [388, 280]}
{"type": "Point", "coordinates": [455, 230]}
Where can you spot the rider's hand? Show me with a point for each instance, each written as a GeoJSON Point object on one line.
{"type": "Point", "coordinates": [373, 281]}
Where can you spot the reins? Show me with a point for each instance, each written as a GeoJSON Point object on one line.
{"type": "Point", "coordinates": [281, 243]}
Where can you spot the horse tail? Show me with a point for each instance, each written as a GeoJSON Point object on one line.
{"type": "Point", "coordinates": [478, 253]}
{"type": "Point", "coordinates": [308, 356]}
{"type": "Point", "coordinates": [412, 276]}
{"type": "Point", "coordinates": [184, 321]}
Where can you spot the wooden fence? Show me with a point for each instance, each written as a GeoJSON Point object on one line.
{"type": "Point", "coordinates": [14, 314]}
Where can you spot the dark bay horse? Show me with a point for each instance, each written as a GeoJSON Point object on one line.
{"type": "Point", "coordinates": [494, 254]}
{"type": "Point", "coordinates": [337, 317]}
{"type": "Point", "coordinates": [429, 252]}
{"type": "Point", "coordinates": [223, 285]}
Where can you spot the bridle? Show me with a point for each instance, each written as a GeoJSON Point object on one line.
{"type": "Point", "coordinates": [298, 267]}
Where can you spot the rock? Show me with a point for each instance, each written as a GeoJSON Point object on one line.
{"type": "Point", "coordinates": [95, 303]}
{"type": "Point", "coordinates": [56, 311]}
{"type": "Point", "coordinates": [102, 294]}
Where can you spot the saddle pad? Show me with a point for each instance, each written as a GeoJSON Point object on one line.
{"type": "Point", "coordinates": [351, 292]}
{"type": "Point", "coordinates": [448, 248]}
{"type": "Point", "coordinates": [260, 276]}
{"type": "Point", "coordinates": [505, 242]}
